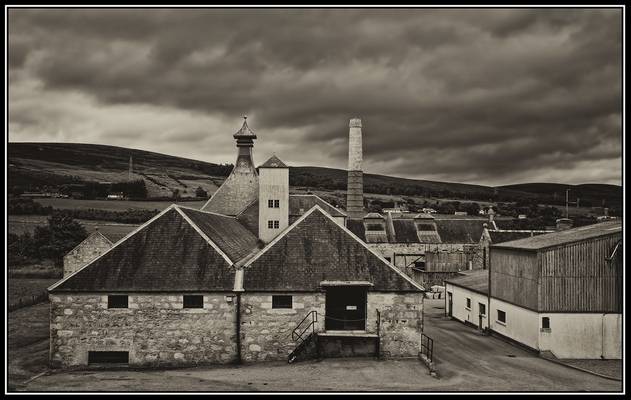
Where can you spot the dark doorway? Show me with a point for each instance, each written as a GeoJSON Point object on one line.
{"type": "Point", "coordinates": [345, 308]}
{"type": "Point", "coordinates": [450, 305]}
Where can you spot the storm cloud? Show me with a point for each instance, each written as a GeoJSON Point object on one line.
{"type": "Point", "coordinates": [490, 96]}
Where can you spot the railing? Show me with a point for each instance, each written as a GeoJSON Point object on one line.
{"type": "Point", "coordinates": [308, 321]}
{"type": "Point", "coordinates": [427, 346]}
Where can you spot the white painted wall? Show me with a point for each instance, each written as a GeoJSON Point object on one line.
{"type": "Point", "coordinates": [273, 185]}
{"type": "Point", "coordinates": [586, 335]}
{"type": "Point", "coordinates": [521, 324]}
{"type": "Point", "coordinates": [460, 310]}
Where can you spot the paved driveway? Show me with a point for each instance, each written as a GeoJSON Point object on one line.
{"type": "Point", "coordinates": [466, 361]}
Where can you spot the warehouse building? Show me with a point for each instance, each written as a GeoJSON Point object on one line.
{"type": "Point", "coordinates": [559, 292]}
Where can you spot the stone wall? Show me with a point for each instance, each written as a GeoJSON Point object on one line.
{"type": "Point", "coordinates": [266, 332]}
{"type": "Point", "coordinates": [92, 247]}
{"type": "Point", "coordinates": [155, 329]}
{"type": "Point", "coordinates": [401, 322]}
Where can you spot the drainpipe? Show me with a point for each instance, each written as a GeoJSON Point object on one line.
{"type": "Point", "coordinates": [488, 301]}
{"type": "Point", "coordinates": [238, 328]}
{"type": "Point", "coordinates": [602, 337]}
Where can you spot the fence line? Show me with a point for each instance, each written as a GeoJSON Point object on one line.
{"type": "Point", "coordinates": [28, 301]}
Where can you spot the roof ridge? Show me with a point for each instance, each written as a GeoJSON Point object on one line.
{"type": "Point", "coordinates": [206, 212]}
{"type": "Point", "coordinates": [204, 236]}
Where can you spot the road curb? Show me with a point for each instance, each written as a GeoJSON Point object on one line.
{"type": "Point", "coordinates": [581, 369]}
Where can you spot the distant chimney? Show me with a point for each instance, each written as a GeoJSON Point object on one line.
{"type": "Point", "coordinates": [355, 188]}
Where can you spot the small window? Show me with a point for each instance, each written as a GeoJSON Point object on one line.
{"type": "Point", "coordinates": [117, 301]}
{"type": "Point", "coordinates": [282, 302]}
{"type": "Point", "coordinates": [270, 224]}
{"type": "Point", "coordinates": [276, 224]}
{"type": "Point", "coordinates": [468, 303]}
{"type": "Point", "coordinates": [108, 357]}
{"type": "Point", "coordinates": [193, 301]}
{"type": "Point", "coordinates": [420, 265]}
{"type": "Point", "coordinates": [270, 203]}
{"type": "Point", "coordinates": [482, 308]}
{"type": "Point", "coordinates": [501, 316]}
{"type": "Point", "coordinates": [545, 323]}
{"type": "Point", "coordinates": [276, 203]}
{"type": "Point", "coordinates": [388, 259]}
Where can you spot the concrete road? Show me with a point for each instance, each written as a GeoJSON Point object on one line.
{"type": "Point", "coordinates": [466, 361]}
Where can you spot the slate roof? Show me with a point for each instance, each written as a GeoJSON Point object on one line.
{"type": "Point", "coordinates": [245, 131]}
{"type": "Point", "coordinates": [451, 230]}
{"type": "Point", "coordinates": [274, 162]}
{"type": "Point", "coordinates": [477, 281]}
{"type": "Point", "coordinates": [166, 254]}
{"type": "Point", "coordinates": [316, 249]}
{"type": "Point", "coordinates": [226, 232]}
{"type": "Point", "coordinates": [307, 201]}
{"type": "Point", "coordinates": [564, 237]}
{"type": "Point", "coordinates": [460, 230]}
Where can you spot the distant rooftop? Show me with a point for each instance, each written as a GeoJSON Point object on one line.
{"type": "Point", "coordinates": [477, 281]}
{"type": "Point", "coordinates": [562, 237]}
{"type": "Point", "coordinates": [273, 162]}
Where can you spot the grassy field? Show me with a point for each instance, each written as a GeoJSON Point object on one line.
{"type": "Point", "coordinates": [28, 343]}
{"type": "Point", "coordinates": [25, 288]}
{"type": "Point", "coordinates": [114, 205]}
{"type": "Point", "coordinates": [19, 224]}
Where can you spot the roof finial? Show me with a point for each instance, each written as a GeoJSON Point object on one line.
{"type": "Point", "coordinates": [245, 117]}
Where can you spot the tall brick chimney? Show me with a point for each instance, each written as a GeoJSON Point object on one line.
{"type": "Point", "coordinates": [355, 184]}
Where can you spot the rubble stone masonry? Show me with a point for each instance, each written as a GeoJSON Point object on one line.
{"type": "Point", "coordinates": [92, 247]}
{"type": "Point", "coordinates": [154, 329]}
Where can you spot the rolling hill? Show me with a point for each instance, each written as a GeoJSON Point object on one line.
{"type": "Point", "coordinates": [33, 166]}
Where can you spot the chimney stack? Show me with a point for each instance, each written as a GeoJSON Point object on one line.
{"type": "Point", "coordinates": [355, 188]}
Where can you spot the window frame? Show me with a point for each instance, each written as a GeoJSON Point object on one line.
{"type": "Point", "coordinates": [277, 304]}
{"type": "Point", "coordinates": [543, 327]}
{"type": "Point", "coordinates": [468, 303]}
{"type": "Point", "coordinates": [270, 224]}
{"type": "Point", "coordinates": [276, 224]}
{"type": "Point", "coordinates": [192, 305]}
{"type": "Point", "coordinates": [276, 203]}
{"type": "Point", "coordinates": [112, 305]}
{"type": "Point", "coordinates": [482, 306]}
{"type": "Point", "coordinates": [503, 313]}
{"type": "Point", "coordinates": [270, 203]}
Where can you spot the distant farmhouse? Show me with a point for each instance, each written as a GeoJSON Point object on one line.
{"type": "Point", "coordinates": [557, 292]}
{"type": "Point", "coordinates": [256, 274]}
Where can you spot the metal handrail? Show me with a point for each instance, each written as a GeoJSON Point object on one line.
{"type": "Point", "coordinates": [314, 318]}
{"type": "Point", "coordinates": [427, 344]}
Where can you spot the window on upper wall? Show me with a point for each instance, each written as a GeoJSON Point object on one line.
{"type": "Point", "coordinates": [276, 224]}
{"type": "Point", "coordinates": [482, 308]}
{"type": "Point", "coordinates": [501, 316]}
{"type": "Point", "coordinates": [270, 203]}
{"type": "Point", "coordinates": [276, 203]}
{"type": "Point", "coordinates": [282, 302]}
{"type": "Point", "coordinates": [468, 303]}
{"type": "Point", "coordinates": [270, 224]}
{"type": "Point", "coordinates": [117, 301]}
{"type": "Point", "coordinates": [545, 323]}
{"type": "Point", "coordinates": [193, 301]}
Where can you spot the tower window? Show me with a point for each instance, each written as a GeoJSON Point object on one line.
{"type": "Point", "coordinates": [270, 203]}
{"type": "Point", "coordinates": [276, 224]}
{"type": "Point", "coordinates": [276, 203]}
{"type": "Point", "coordinates": [273, 224]}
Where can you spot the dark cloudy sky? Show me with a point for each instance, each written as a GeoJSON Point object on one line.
{"type": "Point", "coordinates": [477, 96]}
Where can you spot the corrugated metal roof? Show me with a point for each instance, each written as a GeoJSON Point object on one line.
{"type": "Point", "coordinates": [477, 281]}
{"type": "Point", "coordinates": [566, 236]}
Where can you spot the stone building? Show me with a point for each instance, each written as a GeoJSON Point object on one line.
{"type": "Point", "coordinates": [90, 248]}
{"type": "Point", "coordinates": [193, 287]}
{"type": "Point", "coordinates": [427, 247]}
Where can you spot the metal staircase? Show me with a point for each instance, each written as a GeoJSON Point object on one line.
{"type": "Point", "coordinates": [304, 333]}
